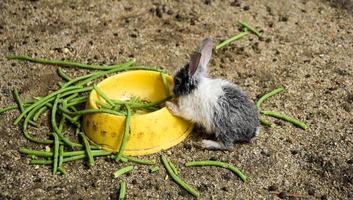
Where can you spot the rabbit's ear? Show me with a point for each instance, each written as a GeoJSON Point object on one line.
{"type": "Point", "coordinates": [206, 52]}
{"type": "Point", "coordinates": [194, 62]}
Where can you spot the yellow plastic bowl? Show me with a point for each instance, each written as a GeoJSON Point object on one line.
{"type": "Point", "coordinates": [150, 132]}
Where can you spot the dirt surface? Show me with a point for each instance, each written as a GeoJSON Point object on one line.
{"type": "Point", "coordinates": [307, 46]}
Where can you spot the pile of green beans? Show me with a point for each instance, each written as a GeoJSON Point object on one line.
{"type": "Point", "coordinates": [65, 106]}
{"type": "Point", "coordinates": [277, 115]}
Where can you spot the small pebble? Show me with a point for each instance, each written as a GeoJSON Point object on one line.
{"type": "Point", "coordinates": [246, 8]}
{"type": "Point", "coordinates": [311, 192]}
{"type": "Point", "coordinates": [272, 188]}
{"type": "Point", "coordinates": [66, 50]}
{"type": "Point", "coordinates": [350, 161]}
{"type": "Point", "coordinates": [324, 197]}
{"type": "Point", "coordinates": [294, 152]}
{"type": "Point", "coordinates": [282, 195]}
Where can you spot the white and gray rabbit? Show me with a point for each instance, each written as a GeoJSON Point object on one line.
{"type": "Point", "coordinates": [217, 105]}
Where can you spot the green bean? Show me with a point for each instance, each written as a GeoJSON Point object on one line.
{"type": "Point", "coordinates": [122, 192]}
{"type": "Point", "coordinates": [265, 122]}
{"type": "Point", "coordinates": [122, 67]}
{"type": "Point", "coordinates": [40, 111]}
{"type": "Point", "coordinates": [61, 157]}
{"type": "Point", "coordinates": [172, 166]}
{"type": "Point", "coordinates": [73, 96]}
{"type": "Point", "coordinates": [232, 168]}
{"type": "Point", "coordinates": [103, 95]}
{"type": "Point", "coordinates": [125, 135]}
{"type": "Point", "coordinates": [139, 106]}
{"type": "Point", "coordinates": [77, 100]}
{"type": "Point", "coordinates": [88, 150]}
{"type": "Point", "coordinates": [232, 39]}
{"type": "Point", "coordinates": [47, 154]}
{"type": "Point", "coordinates": [73, 158]}
{"type": "Point", "coordinates": [62, 170]}
{"type": "Point", "coordinates": [8, 108]}
{"type": "Point", "coordinates": [89, 111]}
{"type": "Point", "coordinates": [12, 107]}
{"type": "Point", "coordinates": [123, 171]}
{"type": "Point", "coordinates": [18, 100]}
{"type": "Point", "coordinates": [154, 169]}
{"type": "Point", "coordinates": [63, 75]}
{"type": "Point", "coordinates": [103, 105]}
{"type": "Point", "coordinates": [56, 153]}
{"type": "Point", "coordinates": [251, 29]}
{"type": "Point", "coordinates": [55, 127]}
{"type": "Point", "coordinates": [266, 96]}
{"type": "Point", "coordinates": [36, 153]}
{"type": "Point", "coordinates": [177, 179]}
{"type": "Point", "coordinates": [26, 133]}
{"type": "Point", "coordinates": [41, 162]}
{"type": "Point", "coordinates": [20, 105]}
{"type": "Point", "coordinates": [123, 159]}
{"type": "Point", "coordinates": [60, 63]}
{"type": "Point", "coordinates": [277, 115]}
{"type": "Point", "coordinates": [41, 102]}
{"type": "Point", "coordinates": [139, 161]}
{"type": "Point", "coordinates": [165, 84]}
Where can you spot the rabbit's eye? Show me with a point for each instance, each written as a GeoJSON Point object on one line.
{"type": "Point", "coordinates": [177, 81]}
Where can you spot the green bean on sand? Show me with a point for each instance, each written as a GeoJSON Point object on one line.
{"type": "Point", "coordinates": [122, 191]}
{"type": "Point", "coordinates": [123, 171]}
{"type": "Point", "coordinates": [177, 179]}
{"type": "Point", "coordinates": [277, 115]}
{"type": "Point", "coordinates": [232, 168]}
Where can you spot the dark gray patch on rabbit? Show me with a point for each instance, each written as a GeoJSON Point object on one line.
{"type": "Point", "coordinates": [236, 119]}
{"type": "Point", "coordinates": [184, 83]}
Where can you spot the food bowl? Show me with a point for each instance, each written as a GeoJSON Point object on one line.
{"type": "Point", "coordinates": [149, 132]}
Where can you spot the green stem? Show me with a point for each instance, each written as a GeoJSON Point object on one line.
{"type": "Point", "coordinates": [125, 135]}
{"type": "Point", "coordinates": [89, 111]}
{"type": "Point", "coordinates": [177, 179]}
{"type": "Point", "coordinates": [48, 154]}
{"type": "Point", "coordinates": [122, 192]}
{"type": "Point", "coordinates": [139, 161]}
{"type": "Point", "coordinates": [42, 102]}
{"type": "Point", "coordinates": [277, 115]}
{"type": "Point", "coordinates": [232, 39]}
{"type": "Point", "coordinates": [123, 171]}
{"type": "Point", "coordinates": [8, 108]}
{"type": "Point", "coordinates": [165, 84]}
{"type": "Point", "coordinates": [63, 75]}
{"type": "Point", "coordinates": [88, 150]}
{"type": "Point", "coordinates": [61, 156]}
{"type": "Point", "coordinates": [60, 63]}
{"type": "Point", "coordinates": [251, 29]}
{"type": "Point", "coordinates": [139, 105]}
{"type": "Point", "coordinates": [56, 153]}
{"type": "Point", "coordinates": [55, 127]}
{"type": "Point", "coordinates": [20, 105]}
{"type": "Point", "coordinates": [40, 111]}
{"type": "Point", "coordinates": [232, 168]}
{"type": "Point", "coordinates": [103, 95]}
{"type": "Point", "coordinates": [265, 122]}
{"type": "Point", "coordinates": [173, 167]}
{"type": "Point", "coordinates": [154, 169]}
{"type": "Point", "coordinates": [268, 95]}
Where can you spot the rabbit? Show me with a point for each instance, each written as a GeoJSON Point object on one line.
{"type": "Point", "coordinates": [217, 105]}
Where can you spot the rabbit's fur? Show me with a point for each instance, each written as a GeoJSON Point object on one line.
{"type": "Point", "coordinates": [217, 105]}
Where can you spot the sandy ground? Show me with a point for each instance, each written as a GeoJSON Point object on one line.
{"type": "Point", "coordinates": [307, 46]}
